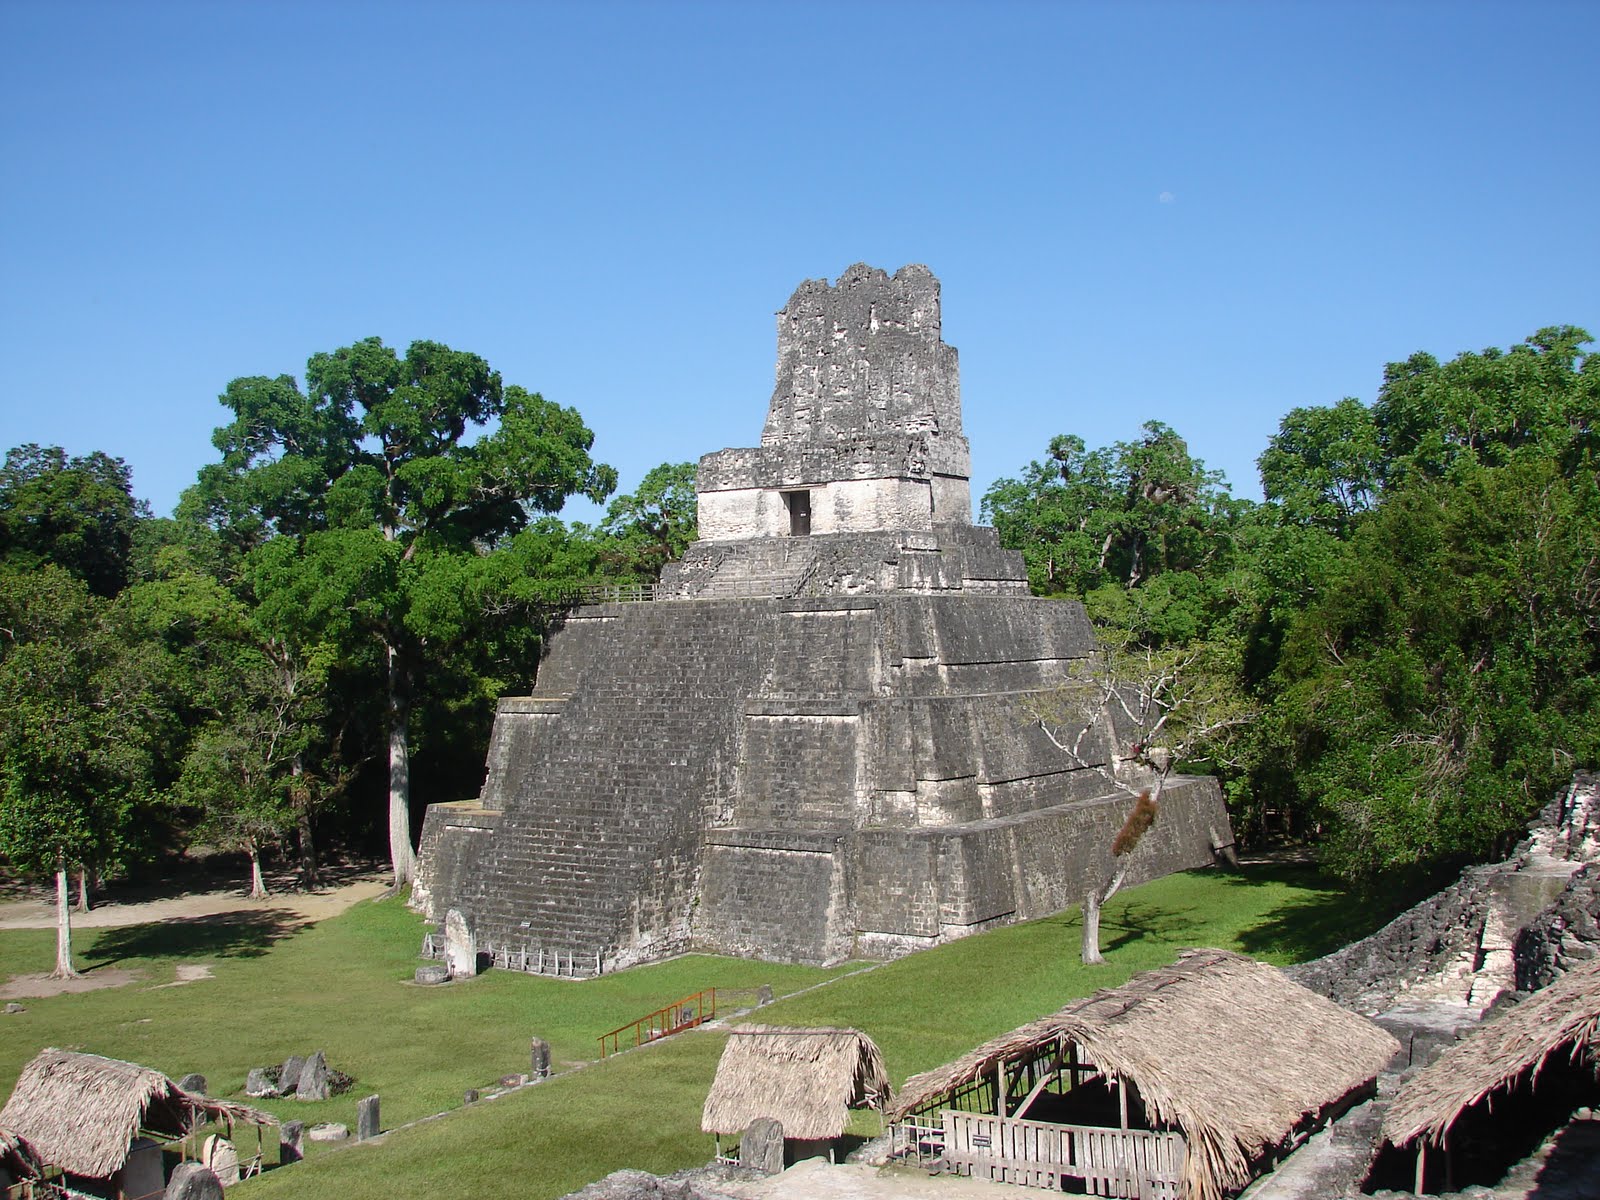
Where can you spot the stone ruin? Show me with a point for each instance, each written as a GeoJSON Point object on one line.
{"type": "Point", "coordinates": [815, 741]}
{"type": "Point", "coordinates": [1507, 927]}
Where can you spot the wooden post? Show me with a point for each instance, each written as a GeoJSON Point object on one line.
{"type": "Point", "coordinates": [1000, 1087]}
{"type": "Point", "coordinates": [1122, 1101]}
{"type": "Point", "coordinates": [1422, 1168]}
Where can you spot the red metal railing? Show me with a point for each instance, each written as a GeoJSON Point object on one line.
{"type": "Point", "coordinates": [675, 1017]}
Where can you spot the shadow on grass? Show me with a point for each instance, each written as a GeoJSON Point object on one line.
{"type": "Point", "coordinates": [1134, 922]}
{"type": "Point", "coordinates": [1324, 915]}
{"type": "Point", "coordinates": [223, 935]}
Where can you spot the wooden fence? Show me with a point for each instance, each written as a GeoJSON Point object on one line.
{"type": "Point", "coordinates": [1132, 1163]}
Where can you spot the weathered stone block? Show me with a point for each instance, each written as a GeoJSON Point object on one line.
{"type": "Point", "coordinates": [761, 1146]}
{"type": "Point", "coordinates": [368, 1122]}
{"type": "Point", "coordinates": [313, 1079]}
{"type": "Point", "coordinates": [192, 1181]}
{"type": "Point", "coordinates": [538, 1058]}
{"type": "Point", "coordinates": [460, 946]}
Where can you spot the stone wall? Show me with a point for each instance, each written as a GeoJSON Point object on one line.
{"type": "Point", "coordinates": [796, 778]}
{"type": "Point", "coordinates": [821, 734]}
{"type": "Point", "coordinates": [865, 418]}
{"type": "Point", "coordinates": [1502, 927]}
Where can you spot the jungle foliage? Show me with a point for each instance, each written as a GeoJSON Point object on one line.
{"type": "Point", "coordinates": [1410, 620]}
{"type": "Point", "coordinates": [1414, 611]}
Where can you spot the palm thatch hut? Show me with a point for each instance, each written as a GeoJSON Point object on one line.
{"type": "Point", "coordinates": [1549, 1040]}
{"type": "Point", "coordinates": [805, 1079]}
{"type": "Point", "coordinates": [1177, 1084]}
{"type": "Point", "coordinates": [105, 1120]}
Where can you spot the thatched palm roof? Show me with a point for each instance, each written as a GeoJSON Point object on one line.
{"type": "Point", "coordinates": [81, 1112]}
{"type": "Point", "coordinates": [1560, 1019]}
{"type": "Point", "coordinates": [1226, 1049]}
{"type": "Point", "coordinates": [805, 1079]}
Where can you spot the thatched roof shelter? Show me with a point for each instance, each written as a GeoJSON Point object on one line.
{"type": "Point", "coordinates": [81, 1112]}
{"type": "Point", "coordinates": [1228, 1050]}
{"type": "Point", "coordinates": [1562, 1019]}
{"type": "Point", "coordinates": [806, 1079]}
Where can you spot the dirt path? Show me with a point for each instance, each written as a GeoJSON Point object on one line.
{"type": "Point", "coordinates": [301, 908]}
{"type": "Point", "coordinates": [38, 913]}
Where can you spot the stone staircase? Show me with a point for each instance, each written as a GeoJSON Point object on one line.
{"type": "Point", "coordinates": [604, 805]}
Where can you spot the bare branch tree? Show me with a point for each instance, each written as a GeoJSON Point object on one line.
{"type": "Point", "coordinates": [1157, 709]}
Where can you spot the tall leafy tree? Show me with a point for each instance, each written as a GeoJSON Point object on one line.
{"type": "Point", "coordinates": [385, 507]}
{"type": "Point", "coordinates": [1537, 400]}
{"type": "Point", "coordinates": [78, 513]}
{"type": "Point", "coordinates": [1323, 466]}
{"type": "Point", "coordinates": [74, 767]}
{"type": "Point", "coordinates": [647, 528]}
{"type": "Point", "coordinates": [1119, 515]}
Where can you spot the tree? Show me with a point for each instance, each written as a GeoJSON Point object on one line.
{"type": "Point", "coordinates": [385, 509]}
{"type": "Point", "coordinates": [648, 528]}
{"type": "Point", "coordinates": [1538, 400]}
{"type": "Point", "coordinates": [71, 763]}
{"type": "Point", "coordinates": [78, 513]}
{"type": "Point", "coordinates": [1445, 682]}
{"type": "Point", "coordinates": [1323, 466]}
{"type": "Point", "coordinates": [1119, 515]}
{"type": "Point", "coordinates": [1157, 709]}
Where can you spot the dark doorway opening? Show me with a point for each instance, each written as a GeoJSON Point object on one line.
{"type": "Point", "coordinates": [799, 506]}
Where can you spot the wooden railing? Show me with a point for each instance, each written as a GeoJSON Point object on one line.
{"type": "Point", "coordinates": [674, 1018]}
{"type": "Point", "coordinates": [1132, 1163]}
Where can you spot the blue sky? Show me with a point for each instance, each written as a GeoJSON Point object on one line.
{"type": "Point", "coordinates": [1201, 213]}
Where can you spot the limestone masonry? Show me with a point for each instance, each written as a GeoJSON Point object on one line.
{"type": "Point", "coordinates": [816, 740]}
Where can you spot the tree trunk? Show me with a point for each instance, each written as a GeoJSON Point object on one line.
{"type": "Point", "coordinates": [401, 856]}
{"type": "Point", "coordinates": [301, 794]}
{"type": "Point", "coordinates": [1091, 928]}
{"type": "Point", "coordinates": [83, 889]}
{"type": "Point", "coordinates": [258, 886]}
{"type": "Point", "coordinates": [63, 925]}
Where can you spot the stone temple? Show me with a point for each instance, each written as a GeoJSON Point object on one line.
{"type": "Point", "coordinates": [815, 741]}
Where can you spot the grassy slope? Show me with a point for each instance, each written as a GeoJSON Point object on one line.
{"type": "Point", "coordinates": [339, 986]}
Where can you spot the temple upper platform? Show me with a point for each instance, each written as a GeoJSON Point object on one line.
{"type": "Point", "coordinates": [861, 482]}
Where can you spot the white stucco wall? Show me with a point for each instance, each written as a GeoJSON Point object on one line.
{"type": "Point", "coordinates": [842, 506]}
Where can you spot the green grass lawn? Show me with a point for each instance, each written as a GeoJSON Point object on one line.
{"type": "Point", "coordinates": [341, 986]}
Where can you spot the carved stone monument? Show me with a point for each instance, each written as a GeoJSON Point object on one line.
{"type": "Point", "coordinates": [817, 739]}
{"type": "Point", "coordinates": [460, 946]}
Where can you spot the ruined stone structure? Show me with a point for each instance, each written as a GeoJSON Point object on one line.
{"type": "Point", "coordinates": [816, 740]}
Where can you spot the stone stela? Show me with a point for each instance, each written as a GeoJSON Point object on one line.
{"type": "Point", "coordinates": [815, 741]}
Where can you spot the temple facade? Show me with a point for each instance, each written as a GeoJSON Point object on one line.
{"type": "Point", "coordinates": [820, 739]}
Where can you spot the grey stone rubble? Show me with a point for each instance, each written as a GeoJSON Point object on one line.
{"type": "Point", "coordinates": [1438, 969]}
{"type": "Point", "coordinates": [699, 1184]}
{"type": "Point", "coordinates": [1500, 928]}
{"type": "Point", "coordinates": [313, 1083]}
{"type": "Point", "coordinates": [431, 973]}
{"type": "Point", "coordinates": [192, 1181]}
{"type": "Point", "coordinates": [819, 741]}
{"type": "Point", "coordinates": [538, 1058]}
{"type": "Point", "coordinates": [260, 1082]}
{"type": "Point", "coordinates": [328, 1131]}
{"type": "Point", "coordinates": [301, 1077]}
{"type": "Point", "coordinates": [14, 1007]}
{"type": "Point", "coordinates": [194, 1084]}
